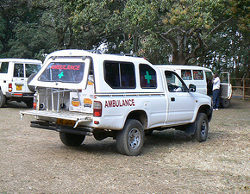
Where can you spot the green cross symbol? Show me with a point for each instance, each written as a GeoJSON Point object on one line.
{"type": "Point", "coordinates": [61, 75]}
{"type": "Point", "coordinates": [148, 77]}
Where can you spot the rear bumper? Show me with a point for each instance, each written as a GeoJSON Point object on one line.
{"type": "Point", "coordinates": [19, 95]}
{"type": "Point", "coordinates": [59, 128]}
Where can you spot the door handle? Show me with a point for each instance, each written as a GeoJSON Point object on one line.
{"type": "Point", "coordinates": [172, 99]}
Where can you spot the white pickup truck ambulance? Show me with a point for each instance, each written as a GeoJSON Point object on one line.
{"type": "Point", "coordinates": [81, 93]}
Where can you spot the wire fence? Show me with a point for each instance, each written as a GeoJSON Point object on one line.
{"type": "Point", "coordinates": [241, 87]}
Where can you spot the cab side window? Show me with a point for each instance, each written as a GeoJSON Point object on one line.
{"type": "Point", "coordinates": [147, 76]}
{"type": "Point", "coordinates": [198, 75]}
{"type": "Point", "coordinates": [18, 70]}
{"type": "Point", "coordinates": [174, 83]}
{"type": "Point", "coordinates": [119, 75]}
{"type": "Point", "coordinates": [186, 74]}
{"type": "Point", "coordinates": [4, 67]}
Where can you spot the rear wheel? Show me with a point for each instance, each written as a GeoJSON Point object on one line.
{"type": "Point", "coordinates": [130, 140]}
{"type": "Point", "coordinates": [69, 139]}
{"type": "Point", "coordinates": [2, 99]}
{"type": "Point", "coordinates": [201, 127]}
{"type": "Point", "coordinates": [29, 103]}
{"type": "Point", "coordinates": [225, 103]}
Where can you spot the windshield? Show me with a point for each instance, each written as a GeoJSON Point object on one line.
{"type": "Point", "coordinates": [67, 72]}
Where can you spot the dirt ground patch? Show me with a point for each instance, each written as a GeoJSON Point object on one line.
{"type": "Point", "coordinates": [35, 161]}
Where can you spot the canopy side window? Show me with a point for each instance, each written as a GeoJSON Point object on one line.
{"type": "Point", "coordinates": [119, 75]}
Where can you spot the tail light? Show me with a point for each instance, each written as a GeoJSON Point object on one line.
{"type": "Point", "coordinates": [97, 109]}
{"type": "Point", "coordinates": [34, 102]}
{"type": "Point", "coordinates": [10, 87]}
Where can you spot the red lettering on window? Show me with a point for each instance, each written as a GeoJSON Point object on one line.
{"type": "Point", "coordinates": [66, 67]}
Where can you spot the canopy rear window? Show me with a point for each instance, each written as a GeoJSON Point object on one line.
{"type": "Point", "coordinates": [66, 72]}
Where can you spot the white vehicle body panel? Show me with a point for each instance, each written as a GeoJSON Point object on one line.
{"type": "Point", "coordinates": [117, 104]}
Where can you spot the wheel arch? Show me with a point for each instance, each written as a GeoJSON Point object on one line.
{"type": "Point", "coordinates": [139, 115]}
{"type": "Point", "coordinates": [207, 110]}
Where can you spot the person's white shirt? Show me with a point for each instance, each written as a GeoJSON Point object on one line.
{"type": "Point", "coordinates": [216, 83]}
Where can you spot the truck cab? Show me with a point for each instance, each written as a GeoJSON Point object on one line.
{"type": "Point", "coordinates": [81, 93]}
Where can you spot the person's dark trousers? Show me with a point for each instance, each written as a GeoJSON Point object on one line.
{"type": "Point", "coordinates": [216, 98]}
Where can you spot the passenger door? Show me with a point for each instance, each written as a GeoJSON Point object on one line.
{"type": "Point", "coordinates": [181, 101]}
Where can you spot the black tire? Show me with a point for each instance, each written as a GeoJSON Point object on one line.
{"type": "Point", "coordinates": [29, 103]}
{"type": "Point", "coordinates": [129, 141]}
{"type": "Point", "coordinates": [2, 99]}
{"type": "Point", "coordinates": [31, 88]}
{"type": "Point", "coordinates": [71, 139]}
{"type": "Point", "coordinates": [225, 103]}
{"type": "Point", "coordinates": [201, 127]}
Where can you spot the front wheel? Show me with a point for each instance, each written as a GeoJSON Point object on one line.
{"type": "Point", "coordinates": [69, 139]}
{"type": "Point", "coordinates": [201, 127]}
{"type": "Point", "coordinates": [129, 141]}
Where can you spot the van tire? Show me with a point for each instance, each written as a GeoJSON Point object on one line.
{"type": "Point", "coordinates": [201, 127]}
{"type": "Point", "coordinates": [30, 78]}
{"type": "Point", "coordinates": [225, 103]}
{"type": "Point", "coordinates": [129, 141]}
{"type": "Point", "coordinates": [2, 99]}
{"type": "Point", "coordinates": [29, 103]}
{"type": "Point", "coordinates": [69, 139]}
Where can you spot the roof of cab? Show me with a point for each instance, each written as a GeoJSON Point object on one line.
{"type": "Point", "coordinates": [93, 54]}
{"type": "Point", "coordinates": [20, 60]}
{"type": "Point", "coordinates": [186, 67]}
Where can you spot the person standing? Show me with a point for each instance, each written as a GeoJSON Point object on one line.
{"type": "Point", "coordinates": [216, 91]}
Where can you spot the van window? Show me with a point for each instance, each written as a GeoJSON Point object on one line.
{"type": "Point", "coordinates": [147, 76]}
{"type": "Point", "coordinates": [198, 75]}
{"type": "Point", "coordinates": [175, 84]}
{"type": "Point", "coordinates": [4, 67]}
{"type": "Point", "coordinates": [18, 70]}
{"type": "Point", "coordinates": [31, 68]}
{"type": "Point", "coordinates": [186, 74]}
{"type": "Point", "coordinates": [119, 75]}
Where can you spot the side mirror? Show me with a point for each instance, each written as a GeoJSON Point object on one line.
{"type": "Point", "coordinates": [192, 88]}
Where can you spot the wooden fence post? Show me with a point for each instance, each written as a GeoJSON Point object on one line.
{"type": "Point", "coordinates": [244, 88]}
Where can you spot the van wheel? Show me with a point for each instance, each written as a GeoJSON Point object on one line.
{"type": "Point", "coordinates": [201, 127]}
{"type": "Point", "coordinates": [2, 99]}
{"type": "Point", "coordinates": [129, 141]}
{"type": "Point", "coordinates": [29, 103]}
{"type": "Point", "coordinates": [69, 139]}
{"type": "Point", "coordinates": [225, 103]}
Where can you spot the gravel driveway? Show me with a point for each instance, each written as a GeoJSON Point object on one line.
{"type": "Point", "coordinates": [35, 161]}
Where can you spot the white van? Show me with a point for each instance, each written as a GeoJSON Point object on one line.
{"type": "Point", "coordinates": [14, 77]}
{"type": "Point", "coordinates": [202, 77]}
